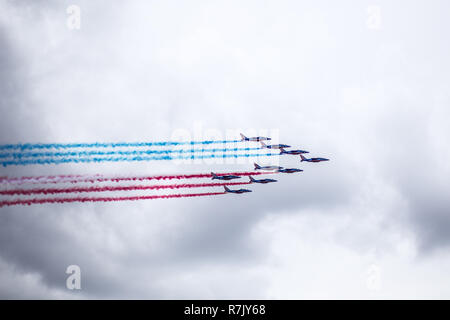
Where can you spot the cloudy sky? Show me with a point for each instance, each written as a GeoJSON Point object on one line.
{"type": "Point", "coordinates": [364, 83]}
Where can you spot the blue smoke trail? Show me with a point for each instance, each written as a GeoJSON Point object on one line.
{"type": "Point", "coordinates": [119, 159]}
{"type": "Point", "coordinates": [29, 146]}
{"type": "Point", "coordinates": [20, 155]}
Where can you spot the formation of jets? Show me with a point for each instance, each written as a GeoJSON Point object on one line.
{"type": "Point", "coordinates": [282, 148]}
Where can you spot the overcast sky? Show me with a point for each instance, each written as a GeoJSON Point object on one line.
{"type": "Point", "coordinates": [364, 83]}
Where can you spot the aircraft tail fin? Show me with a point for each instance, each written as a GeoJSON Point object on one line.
{"type": "Point", "coordinates": [256, 166]}
{"type": "Point", "coordinates": [282, 151]}
{"type": "Point", "coordinates": [251, 179]}
{"type": "Point", "coordinates": [302, 157]}
{"type": "Point", "coordinates": [263, 145]}
{"type": "Point", "coordinates": [214, 176]}
{"type": "Point", "coordinates": [226, 189]}
{"type": "Point", "coordinates": [243, 138]}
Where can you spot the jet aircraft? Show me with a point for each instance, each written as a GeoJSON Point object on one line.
{"type": "Point", "coordinates": [258, 167]}
{"type": "Point", "coordinates": [257, 139]}
{"type": "Point", "coordinates": [273, 146]}
{"type": "Point", "coordinates": [224, 177]}
{"type": "Point", "coordinates": [295, 152]}
{"type": "Point", "coordinates": [289, 170]}
{"type": "Point", "coordinates": [236, 191]}
{"type": "Point", "coordinates": [253, 180]}
{"type": "Point", "coordinates": [313, 159]}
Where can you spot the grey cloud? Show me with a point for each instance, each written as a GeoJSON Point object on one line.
{"type": "Point", "coordinates": [136, 74]}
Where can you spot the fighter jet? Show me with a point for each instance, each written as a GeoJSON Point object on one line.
{"type": "Point", "coordinates": [236, 191]}
{"type": "Point", "coordinates": [257, 139]}
{"type": "Point", "coordinates": [258, 167]}
{"type": "Point", "coordinates": [253, 180]}
{"type": "Point", "coordinates": [292, 151]}
{"type": "Point", "coordinates": [290, 170]}
{"type": "Point", "coordinates": [223, 177]}
{"type": "Point", "coordinates": [273, 146]}
{"type": "Point", "coordinates": [313, 159]}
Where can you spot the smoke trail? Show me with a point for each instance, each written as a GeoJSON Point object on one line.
{"type": "Point", "coordinates": [115, 188]}
{"type": "Point", "coordinates": [45, 179]}
{"type": "Point", "coordinates": [102, 199]}
{"type": "Point", "coordinates": [29, 146]}
{"type": "Point", "coordinates": [129, 159]}
{"type": "Point", "coordinates": [100, 178]}
{"type": "Point", "coordinates": [20, 155]}
{"type": "Point", "coordinates": [41, 178]}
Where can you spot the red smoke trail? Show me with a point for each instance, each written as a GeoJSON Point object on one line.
{"type": "Point", "coordinates": [98, 178]}
{"type": "Point", "coordinates": [103, 199]}
{"type": "Point", "coordinates": [39, 179]}
{"type": "Point", "coordinates": [116, 188]}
